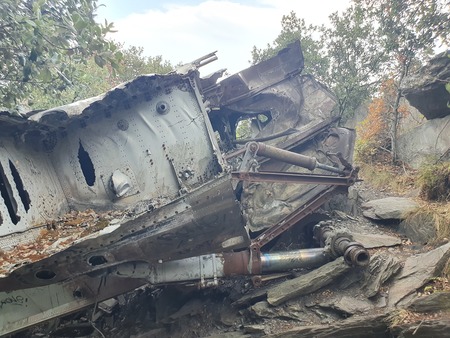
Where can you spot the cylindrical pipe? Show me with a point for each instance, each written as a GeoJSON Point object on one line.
{"type": "Point", "coordinates": [242, 263]}
{"type": "Point", "coordinates": [282, 261]}
{"type": "Point", "coordinates": [286, 156]}
{"type": "Point", "coordinates": [356, 254]}
{"type": "Point", "coordinates": [290, 157]}
{"type": "Point", "coordinates": [222, 265]}
{"type": "Point", "coordinates": [341, 244]}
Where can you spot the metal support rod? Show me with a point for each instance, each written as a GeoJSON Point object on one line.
{"type": "Point", "coordinates": [288, 177]}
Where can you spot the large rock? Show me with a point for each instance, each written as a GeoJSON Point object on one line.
{"type": "Point", "coordinates": [373, 326]}
{"type": "Point", "coordinates": [370, 241]}
{"type": "Point", "coordinates": [389, 208]}
{"type": "Point", "coordinates": [439, 328]}
{"type": "Point", "coordinates": [308, 283]}
{"type": "Point", "coordinates": [426, 91]}
{"type": "Point", "coordinates": [347, 306]}
{"type": "Point", "coordinates": [382, 267]}
{"type": "Point", "coordinates": [437, 301]}
{"type": "Point", "coordinates": [429, 140]}
{"type": "Point", "coordinates": [417, 271]}
{"type": "Point", "coordinates": [420, 227]}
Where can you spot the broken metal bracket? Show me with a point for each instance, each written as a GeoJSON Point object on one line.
{"type": "Point", "coordinates": [249, 161]}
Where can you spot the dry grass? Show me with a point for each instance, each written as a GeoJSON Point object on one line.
{"type": "Point", "coordinates": [436, 213]}
{"type": "Point", "coordinates": [399, 180]}
{"type": "Point", "coordinates": [434, 182]}
{"type": "Point", "coordinates": [399, 317]}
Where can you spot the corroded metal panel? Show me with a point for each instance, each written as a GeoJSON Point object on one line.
{"type": "Point", "coordinates": [153, 130]}
{"type": "Point", "coordinates": [207, 220]}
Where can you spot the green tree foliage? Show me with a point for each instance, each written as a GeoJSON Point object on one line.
{"type": "Point", "coordinates": [134, 63]}
{"type": "Point", "coordinates": [294, 28]}
{"type": "Point", "coordinates": [352, 48]}
{"type": "Point", "coordinates": [42, 41]}
{"type": "Point", "coordinates": [409, 30]}
{"type": "Point", "coordinates": [90, 80]}
{"type": "Point", "coordinates": [369, 42]}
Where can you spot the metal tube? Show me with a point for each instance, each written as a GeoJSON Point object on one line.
{"type": "Point", "coordinates": [329, 168]}
{"type": "Point", "coordinates": [222, 265]}
{"type": "Point", "coordinates": [282, 261]}
{"type": "Point", "coordinates": [342, 244]}
{"type": "Point", "coordinates": [300, 160]}
{"type": "Point", "coordinates": [287, 156]}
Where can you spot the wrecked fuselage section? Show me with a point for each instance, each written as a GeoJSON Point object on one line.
{"type": "Point", "coordinates": [189, 200]}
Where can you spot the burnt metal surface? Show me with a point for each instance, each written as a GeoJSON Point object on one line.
{"type": "Point", "coordinates": [71, 155]}
{"type": "Point", "coordinates": [250, 81]}
{"type": "Point", "coordinates": [207, 220]}
{"type": "Point", "coordinates": [267, 203]}
{"type": "Point", "coordinates": [164, 150]}
{"type": "Point", "coordinates": [24, 308]}
{"type": "Point", "coordinates": [292, 219]}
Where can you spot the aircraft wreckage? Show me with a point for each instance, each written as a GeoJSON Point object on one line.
{"type": "Point", "coordinates": [170, 192]}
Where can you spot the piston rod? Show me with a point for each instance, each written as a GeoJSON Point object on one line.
{"type": "Point", "coordinates": [290, 157]}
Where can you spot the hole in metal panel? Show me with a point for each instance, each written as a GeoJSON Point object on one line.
{"type": "Point", "coordinates": [24, 196]}
{"type": "Point", "coordinates": [97, 260]}
{"type": "Point", "coordinates": [77, 293]}
{"type": "Point", "coordinates": [8, 197]}
{"type": "Point", "coordinates": [45, 274]}
{"type": "Point", "coordinates": [87, 167]}
{"type": "Point", "coordinates": [162, 107]}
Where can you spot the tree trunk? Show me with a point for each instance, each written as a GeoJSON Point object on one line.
{"type": "Point", "coordinates": [396, 117]}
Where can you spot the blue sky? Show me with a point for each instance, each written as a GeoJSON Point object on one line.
{"type": "Point", "coordinates": [183, 30]}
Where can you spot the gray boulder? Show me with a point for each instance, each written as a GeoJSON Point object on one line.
{"type": "Point", "coordinates": [426, 91]}
{"type": "Point", "coordinates": [389, 208]}
{"type": "Point", "coordinates": [429, 140]}
{"type": "Point", "coordinates": [438, 301]}
{"type": "Point", "coordinates": [420, 228]}
{"type": "Point", "coordinates": [370, 241]}
{"type": "Point", "coordinates": [417, 271]}
{"type": "Point", "coordinates": [347, 305]}
{"type": "Point", "coordinates": [382, 267]}
{"type": "Point", "coordinates": [308, 283]}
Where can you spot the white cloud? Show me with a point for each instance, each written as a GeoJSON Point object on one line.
{"type": "Point", "coordinates": [186, 32]}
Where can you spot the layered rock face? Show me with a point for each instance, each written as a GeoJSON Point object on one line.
{"type": "Point", "coordinates": [426, 91]}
